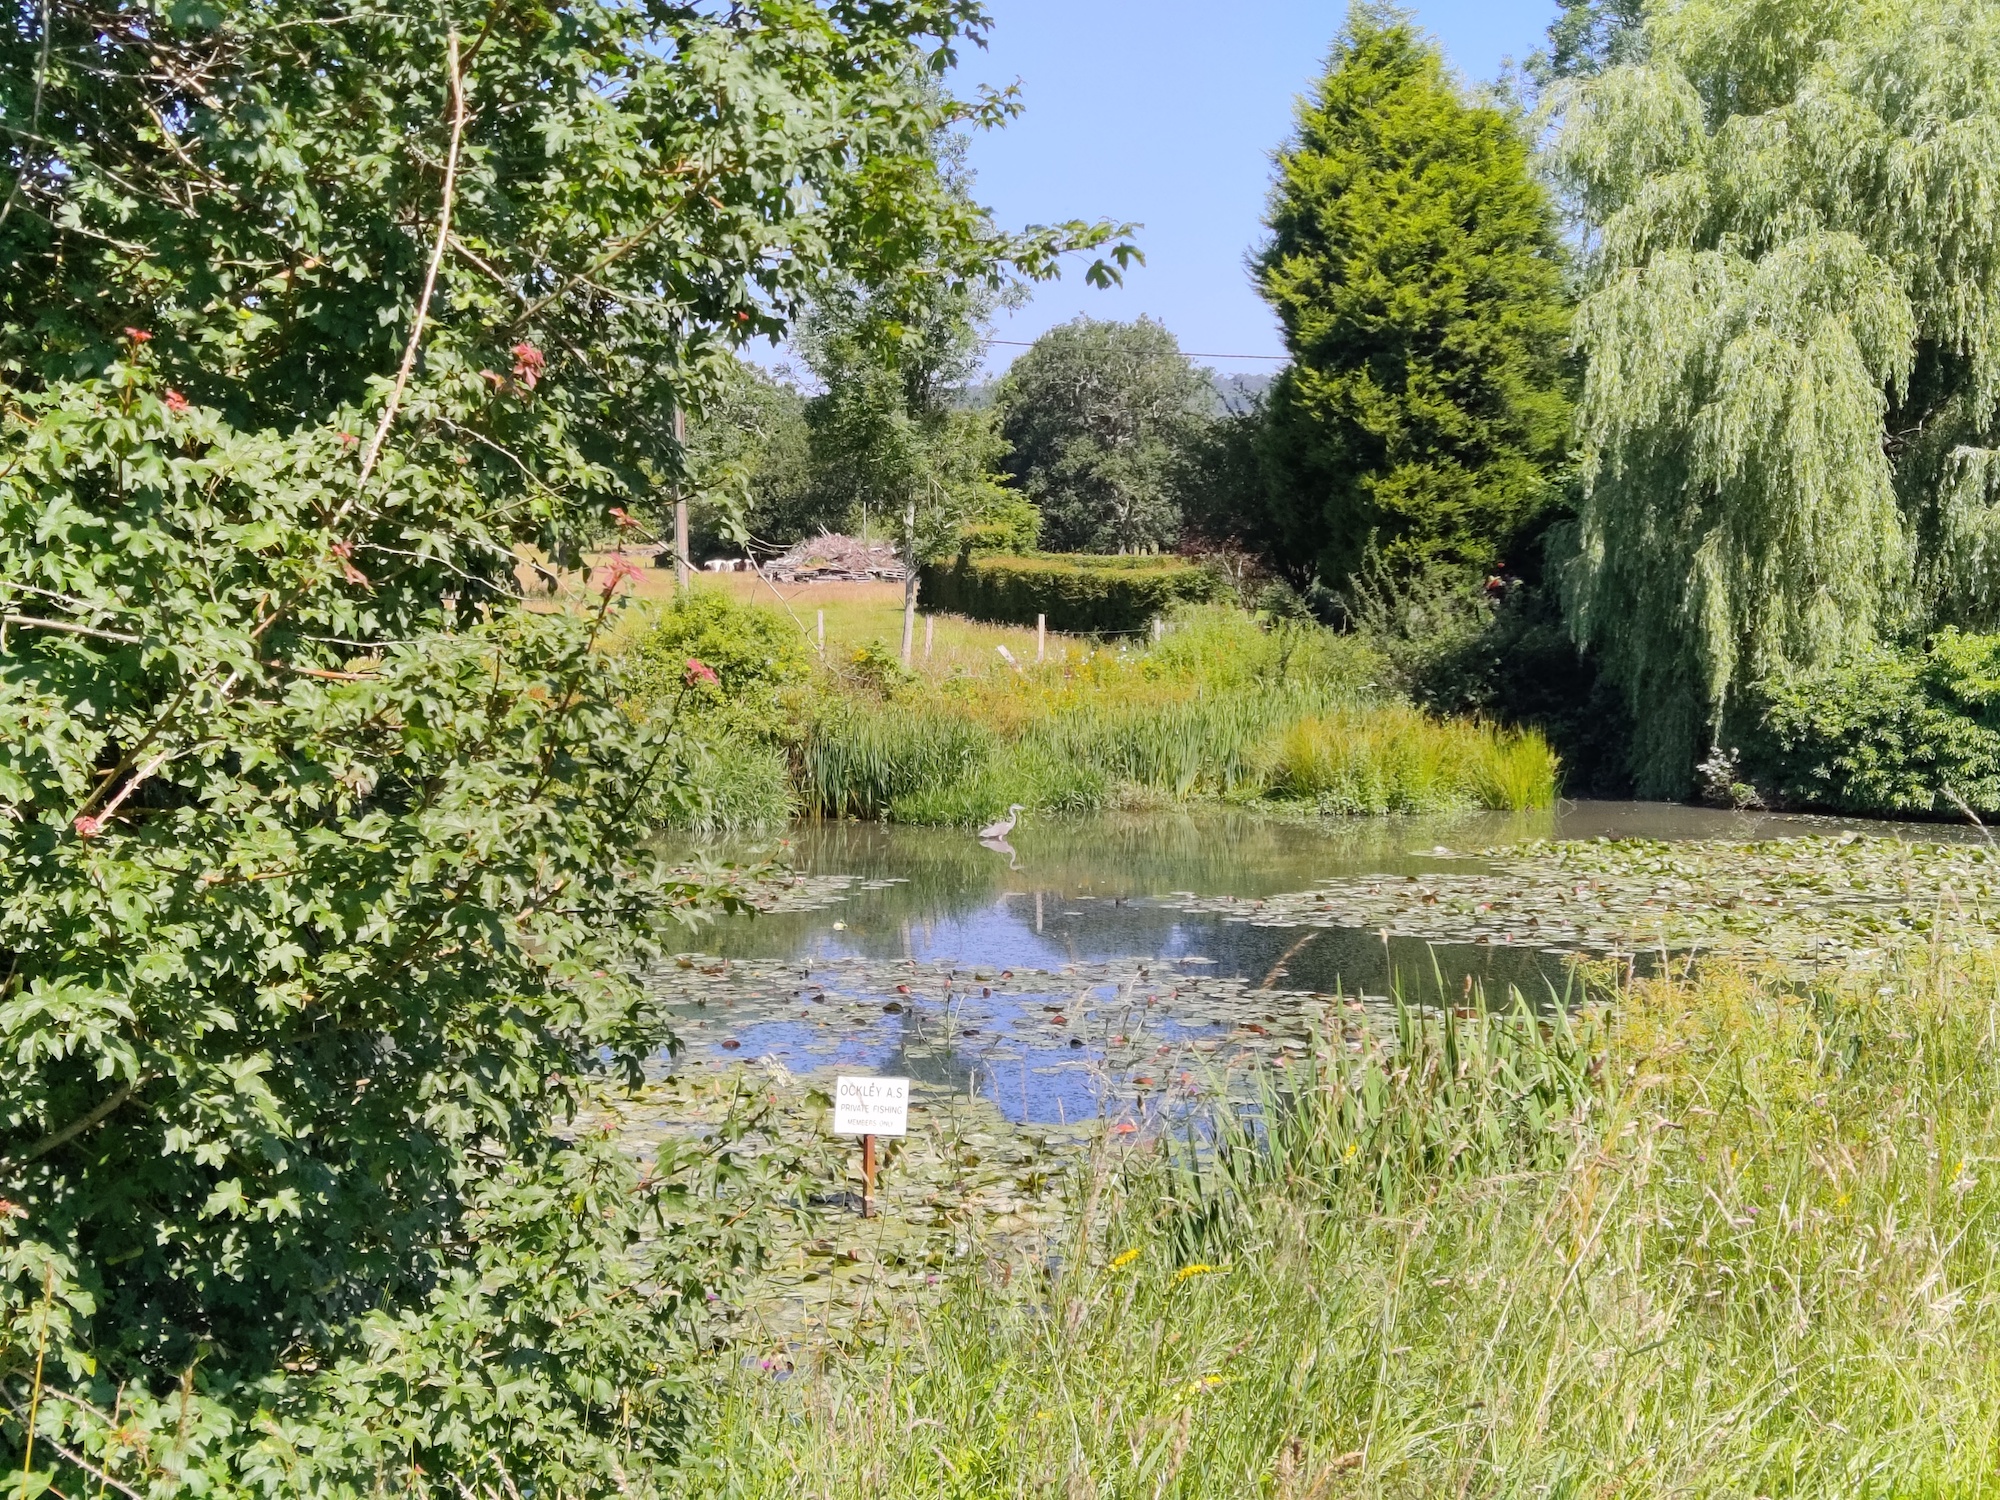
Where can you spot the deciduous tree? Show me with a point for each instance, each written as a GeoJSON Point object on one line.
{"type": "Point", "coordinates": [1099, 419]}
{"type": "Point", "coordinates": [1789, 426]}
{"type": "Point", "coordinates": [891, 433]}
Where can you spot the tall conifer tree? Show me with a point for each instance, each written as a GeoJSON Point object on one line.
{"type": "Point", "coordinates": [1414, 265]}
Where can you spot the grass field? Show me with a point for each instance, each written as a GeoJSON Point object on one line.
{"type": "Point", "coordinates": [857, 615]}
{"type": "Point", "coordinates": [1219, 705]}
{"type": "Point", "coordinates": [1739, 1236]}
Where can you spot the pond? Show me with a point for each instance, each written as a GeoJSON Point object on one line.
{"type": "Point", "coordinates": [1093, 968]}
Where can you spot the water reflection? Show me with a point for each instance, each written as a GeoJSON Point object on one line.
{"type": "Point", "coordinates": [1052, 893]}
{"type": "Point", "coordinates": [1042, 969]}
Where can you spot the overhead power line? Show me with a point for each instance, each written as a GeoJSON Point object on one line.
{"type": "Point", "coordinates": [1185, 353]}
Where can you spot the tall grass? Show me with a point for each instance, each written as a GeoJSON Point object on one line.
{"type": "Point", "coordinates": [961, 761]}
{"type": "Point", "coordinates": [1743, 1240]}
{"type": "Point", "coordinates": [1390, 758]}
{"type": "Point", "coordinates": [860, 758]}
{"type": "Point", "coordinates": [1222, 707]}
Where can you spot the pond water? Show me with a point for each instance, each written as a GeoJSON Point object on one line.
{"type": "Point", "coordinates": [1089, 967]}
{"type": "Point", "coordinates": [1107, 888]}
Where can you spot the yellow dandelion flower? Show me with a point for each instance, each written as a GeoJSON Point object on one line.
{"type": "Point", "coordinates": [1124, 1258]}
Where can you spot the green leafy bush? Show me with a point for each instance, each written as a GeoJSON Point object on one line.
{"type": "Point", "coordinates": [1076, 592]}
{"type": "Point", "coordinates": [753, 651]}
{"type": "Point", "coordinates": [1009, 525]}
{"type": "Point", "coordinates": [308, 950]}
{"type": "Point", "coordinates": [716, 668]}
{"type": "Point", "coordinates": [1883, 731]}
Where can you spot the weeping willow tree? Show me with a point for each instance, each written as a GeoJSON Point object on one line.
{"type": "Point", "coordinates": [1792, 325]}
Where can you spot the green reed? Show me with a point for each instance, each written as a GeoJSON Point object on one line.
{"type": "Point", "coordinates": [1740, 1238]}
{"type": "Point", "coordinates": [933, 760]}
{"type": "Point", "coordinates": [1391, 758]}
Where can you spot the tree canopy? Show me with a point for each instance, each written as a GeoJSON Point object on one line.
{"type": "Point", "coordinates": [1414, 267]}
{"type": "Point", "coordinates": [749, 465]}
{"type": "Point", "coordinates": [321, 889]}
{"type": "Point", "coordinates": [891, 435]}
{"type": "Point", "coordinates": [1788, 423]}
{"type": "Point", "coordinates": [1098, 417]}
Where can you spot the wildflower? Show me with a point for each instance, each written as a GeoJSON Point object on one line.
{"type": "Point", "coordinates": [1124, 1127]}
{"type": "Point", "coordinates": [1352, 1148]}
{"type": "Point", "coordinates": [1207, 1383]}
{"type": "Point", "coordinates": [345, 552]}
{"type": "Point", "coordinates": [699, 672]}
{"type": "Point", "coordinates": [88, 827]}
{"type": "Point", "coordinates": [1124, 1258]}
{"type": "Point", "coordinates": [1199, 1268]}
{"type": "Point", "coordinates": [619, 569]}
{"type": "Point", "coordinates": [176, 402]}
{"type": "Point", "coordinates": [528, 364]}
{"type": "Point", "coordinates": [138, 336]}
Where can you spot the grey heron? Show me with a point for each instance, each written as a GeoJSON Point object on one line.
{"type": "Point", "coordinates": [1005, 826]}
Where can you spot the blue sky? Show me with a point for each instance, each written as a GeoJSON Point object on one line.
{"type": "Point", "coordinates": [1166, 112]}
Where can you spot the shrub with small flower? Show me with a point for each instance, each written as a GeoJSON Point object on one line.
{"type": "Point", "coordinates": [323, 868]}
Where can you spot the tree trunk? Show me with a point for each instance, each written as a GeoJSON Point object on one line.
{"type": "Point", "coordinates": [909, 578]}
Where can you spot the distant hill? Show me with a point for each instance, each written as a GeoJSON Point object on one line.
{"type": "Point", "coordinates": [1233, 393]}
{"type": "Point", "coordinates": [1238, 393]}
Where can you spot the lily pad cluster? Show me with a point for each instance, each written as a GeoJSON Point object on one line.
{"type": "Point", "coordinates": [1850, 901]}
{"type": "Point", "coordinates": [1123, 1044]}
{"type": "Point", "coordinates": [964, 1184]}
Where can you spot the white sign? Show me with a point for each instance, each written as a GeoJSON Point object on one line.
{"type": "Point", "coordinates": [871, 1106]}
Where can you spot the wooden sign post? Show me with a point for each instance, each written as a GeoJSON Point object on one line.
{"type": "Point", "coordinates": [869, 1107]}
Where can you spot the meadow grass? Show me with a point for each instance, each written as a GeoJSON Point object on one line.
{"type": "Point", "coordinates": [1221, 707]}
{"type": "Point", "coordinates": [858, 616]}
{"type": "Point", "coordinates": [1734, 1236]}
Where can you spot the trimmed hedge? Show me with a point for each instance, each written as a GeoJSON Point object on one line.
{"type": "Point", "coordinates": [1079, 592]}
{"type": "Point", "coordinates": [1884, 732]}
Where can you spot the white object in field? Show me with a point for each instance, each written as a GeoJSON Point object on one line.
{"type": "Point", "coordinates": [1041, 637]}
{"type": "Point", "coordinates": [1159, 627]}
{"type": "Point", "coordinates": [1008, 657]}
{"type": "Point", "coordinates": [1005, 826]}
{"type": "Point", "coordinates": [930, 626]}
{"type": "Point", "coordinates": [822, 632]}
{"type": "Point", "coordinates": [871, 1106]}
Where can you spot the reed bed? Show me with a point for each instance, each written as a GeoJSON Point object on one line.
{"type": "Point", "coordinates": [1223, 707]}
{"type": "Point", "coordinates": [1390, 758]}
{"type": "Point", "coordinates": [1736, 1237]}
{"type": "Point", "coordinates": [962, 760]}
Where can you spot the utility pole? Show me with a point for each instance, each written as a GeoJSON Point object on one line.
{"type": "Point", "coordinates": [909, 577]}
{"type": "Point", "coordinates": [680, 507]}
